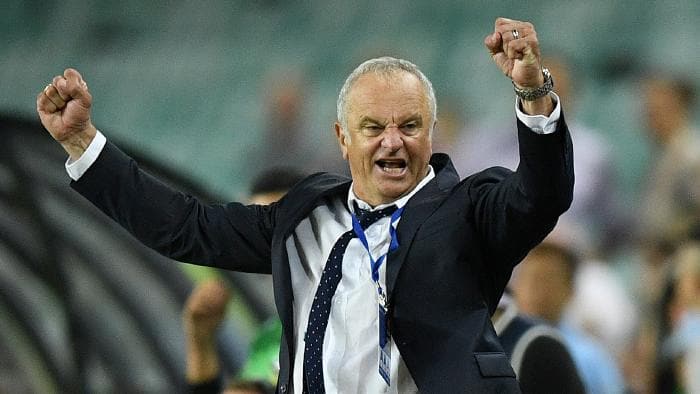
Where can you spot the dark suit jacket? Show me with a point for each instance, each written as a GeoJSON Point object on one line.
{"type": "Point", "coordinates": [459, 242]}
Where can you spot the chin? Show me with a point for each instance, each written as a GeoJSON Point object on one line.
{"type": "Point", "coordinates": [394, 193]}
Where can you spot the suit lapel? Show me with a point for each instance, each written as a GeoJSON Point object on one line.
{"type": "Point", "coordinates": [300, 205]}
{"type": "Point", "coordinates": [417, 211]}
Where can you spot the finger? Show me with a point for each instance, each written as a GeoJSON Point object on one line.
{"type": "Point", "coordinates": [501, 21]}
{"type": "Point", "coordinates": [508, 28]}
{"type": "Point", "coordinates": [515, 49]}
{"type": "Point", "coordinates": [521, 32]}
{"type": "Point", "coordinates": [52, 94]}
{"type": "Point", "coordinates": [525, 49]}
{"type": "Point", "coordinates": [493, 43]}
{"type": "Point", "coordinates": [58, 80]}
{"type": "Point", "coordinates": [504, 25]}
{"type": "Point", "coordinates": [75, 83]}
{"type": "Point", "coordinates": [44, 104]}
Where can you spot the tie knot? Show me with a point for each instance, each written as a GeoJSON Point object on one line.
{"type": "Point", "coordinates": [367, 218]}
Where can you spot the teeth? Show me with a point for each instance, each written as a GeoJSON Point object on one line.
{"type": "Point", "coordinates": [391, 164]}
{"type": "Point", "coordinates": [392, 170]}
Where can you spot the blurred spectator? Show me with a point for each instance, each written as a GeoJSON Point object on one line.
{"type": "Point", "coordinates": [693, 369]}
{"type": "Point", "coordinates": [269, 186]}
{"type": "Point", "coordinates": [595, 210]}
{"type": "Point", "coordinates": [539, 357]}
{"type": "Point", "coordinates": [286, 131]}
{"type": "Point", "coordinates": [543, 285]}
{"type": "Point", "coordinates": [680, 330]}
{"type": "Point", "coordinates": [272, 184]}
{"type": "Point", "coordinates": [202, 315]}
{"type": "Point", "coordinates": [668, 216]}
{"type": "Point", "coordinates": [450, 126]}
{"type": "Point", "coordinates": [287, 134]}
{"type": "Point", "coordinates": [598, 283]}
{"type": "Point", "coordinates": [671, 203]}
{"type": "Point", "coordinates": [204, 312]}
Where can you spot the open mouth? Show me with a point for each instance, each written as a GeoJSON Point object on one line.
{"type": "Point", "coordinates": [392, 166]}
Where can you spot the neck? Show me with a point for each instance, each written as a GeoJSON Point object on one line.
{"type": "Point", "coordinates": [384, 200]}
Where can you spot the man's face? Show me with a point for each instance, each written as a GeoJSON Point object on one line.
{"type": "Point", "coordinates": [664, 110]}
{"type": "Point", "coordinates": [389, 145]}
{"type": "Point", "coordinates": [541, 287]}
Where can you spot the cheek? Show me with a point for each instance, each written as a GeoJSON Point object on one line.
{"type": "Point", "coordinates": [363, 154]}
{"type": "Point", "coordinates": [420, 150]}
{"type": "Point", "coordinates": [358, 158]}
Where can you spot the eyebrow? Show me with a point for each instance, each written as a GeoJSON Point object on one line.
{"type": "Point", "coordinates": [414, 118]}
{"type": "Point", "coordinates": [366, 119]}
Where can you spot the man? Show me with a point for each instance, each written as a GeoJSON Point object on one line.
{"type": "Point", "coordinates": [419, 320]}
{"type": "Point", "coordinates": [679, 330]}
{"type": "Point", "coordinates": [543, 287]}
{"type": "Point", "coordinates": [671, 201]}
{"type": "Point", "coordinates": [537, 353]}
{"type": "Point", "coordinates": [201, 317]}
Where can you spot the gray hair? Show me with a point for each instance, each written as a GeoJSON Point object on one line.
{"type": "Point", "coordinates": [383, 66]}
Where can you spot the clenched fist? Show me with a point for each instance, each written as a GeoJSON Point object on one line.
{"type": "Point", "coordinates": [515, 49]}
{"type": "Point", "coordinates": [64, 110]}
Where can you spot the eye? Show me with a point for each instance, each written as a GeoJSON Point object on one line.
{"type": "Point", "coordinates": [372, 129]}
{"type": "Point", "coordinates": [410, 127]}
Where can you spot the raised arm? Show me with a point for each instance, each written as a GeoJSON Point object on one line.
{"type": "Point", "coordinates": [179, 226]}
{"type": "Point", "coordinates": [201, 317]}
{"type": "Point", "coordinates": [516, 210]}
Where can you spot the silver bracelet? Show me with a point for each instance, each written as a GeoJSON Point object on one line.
{"type": "Point", "coordinates": [534, 94]}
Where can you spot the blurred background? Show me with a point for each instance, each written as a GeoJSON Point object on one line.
{"type": "Point", "coordinates": [208, 94]}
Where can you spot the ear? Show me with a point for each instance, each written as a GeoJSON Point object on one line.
{"type": "Point", "coordinates": [343, 141]}
{"type": "Point", "coordinates": [430, 132]}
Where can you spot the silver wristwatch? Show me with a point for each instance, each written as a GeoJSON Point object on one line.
{"type": "Point", "coordinates": [534, 94]}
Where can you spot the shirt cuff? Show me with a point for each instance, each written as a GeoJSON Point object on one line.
{"type": "Point", "coordinates": [77, 168]}
{"type": "Point", "coordinates": [540, 124]}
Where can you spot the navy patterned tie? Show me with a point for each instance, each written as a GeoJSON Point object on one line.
{"type": "Point", "coordinates": [321, 307]}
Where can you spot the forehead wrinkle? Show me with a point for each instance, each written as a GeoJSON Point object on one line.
{"type": "Point", "coordinates": [403, 101]}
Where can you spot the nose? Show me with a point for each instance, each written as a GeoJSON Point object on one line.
{"type": "Point", "coordinates": [392, 138]}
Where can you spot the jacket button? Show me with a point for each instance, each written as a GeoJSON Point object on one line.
{"type": "Point", "coordinates": [283, 388]}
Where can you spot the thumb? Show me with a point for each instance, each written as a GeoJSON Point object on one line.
{"type": "Point", "coordinates": [493, 43]}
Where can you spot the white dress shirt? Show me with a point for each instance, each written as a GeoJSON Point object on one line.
{"type": "Point", "coordinates": [351, 342]}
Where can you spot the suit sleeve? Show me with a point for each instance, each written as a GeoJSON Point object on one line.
{"type": "Point", "coordinates": [514, 211]}
{"type": "Point", "coordinates": [179, 226]}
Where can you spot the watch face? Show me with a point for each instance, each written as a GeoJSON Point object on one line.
{"type": "Point", "coordinates": [548, 80]}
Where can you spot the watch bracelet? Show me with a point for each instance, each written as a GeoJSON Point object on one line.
{"type": "Point", "coordinates": [534, 94]}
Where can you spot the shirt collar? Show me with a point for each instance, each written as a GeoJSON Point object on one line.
{"type": "Point", "coordinates": [399, 203]}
